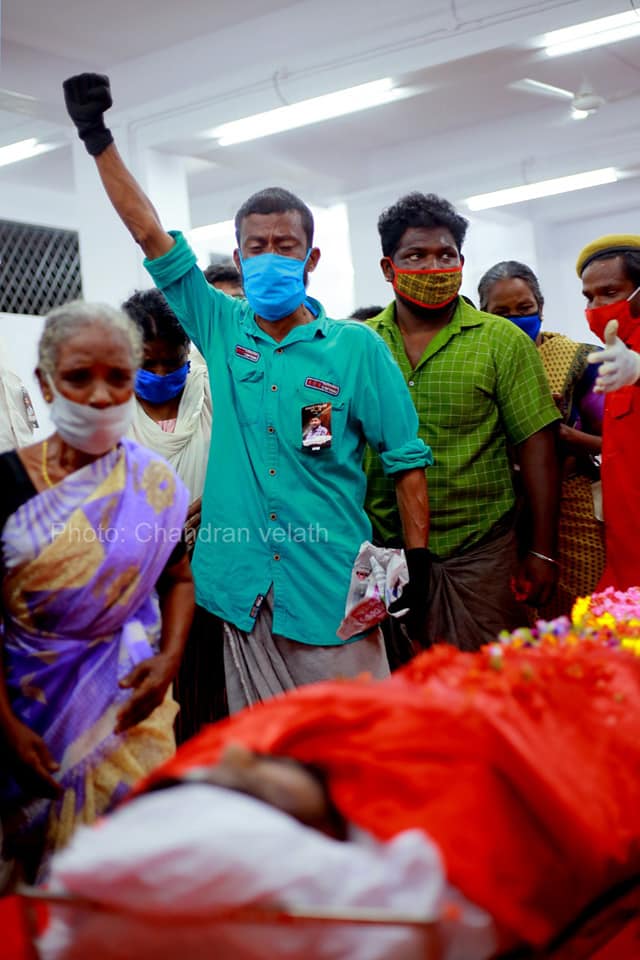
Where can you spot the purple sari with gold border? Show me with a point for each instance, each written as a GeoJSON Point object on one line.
{"type": "Point", "coordinates": [80, 610]}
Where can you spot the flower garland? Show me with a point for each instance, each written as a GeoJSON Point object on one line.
{"type": "Point", "coordinates": [608, 619]}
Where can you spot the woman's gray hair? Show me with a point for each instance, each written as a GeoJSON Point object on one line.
{"type": "Point", "coordinates": [509, 270]}
{"type": "Point", "coordinates": [66, 320]}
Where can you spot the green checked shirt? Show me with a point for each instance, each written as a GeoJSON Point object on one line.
{"type": "Point", "coordinates": [276, 511]}
{"type": "Point", "coordinates": [479, 387]}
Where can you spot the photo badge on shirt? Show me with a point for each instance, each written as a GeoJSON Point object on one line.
{"type": "Point", "coordinates": [316, 427]}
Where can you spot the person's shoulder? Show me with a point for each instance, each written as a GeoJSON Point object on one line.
{"type": "Point", "coordinates": [143, 456]}
{"type": "Point", "coordinates": [382, 320]}
{"type": "Point", "coordinates": [354, 333]}
{"type": "Point", "coordinates": [504, 332]}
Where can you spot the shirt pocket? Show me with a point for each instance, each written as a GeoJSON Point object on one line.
{"type": "Point", "coordinates": [305, 398]}
{"type": "Point", "coordinates": [247, 380]}
{"type": "Point", "coordinates": [621, 402]}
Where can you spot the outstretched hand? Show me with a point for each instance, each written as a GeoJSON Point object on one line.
{"type": "Point", "coordinates": [34, 764]}
{"type": "Point", "coordinates": [87, 97]}
{"type": "Point", "coordinates": [619, 366]}
{"type": "Point", "coordinates": [149, 680]}
{"type": "Point", "coordinates": [535, 580]}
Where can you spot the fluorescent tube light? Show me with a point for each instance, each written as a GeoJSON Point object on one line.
{"type": "Point", "coordinates": [22, 150]}
{"type": "Point", "coordinates": [593, 33]}
{"type": "Point", "coordinates": [543, 188]}
{"type": "Point", "coordinates": [305, 112]}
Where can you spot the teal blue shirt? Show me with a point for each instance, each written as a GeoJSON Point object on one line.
{"type": "Point", "coordinates": [273, 512]}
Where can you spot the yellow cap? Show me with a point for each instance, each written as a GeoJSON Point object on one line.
{"type": "Point", "coordinates": [611, 243]}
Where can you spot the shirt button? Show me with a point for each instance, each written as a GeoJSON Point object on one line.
{"type": "Point", "coordinates": [273, 387]}
{"type": "Point", "coordinates": [270, 429]}
{"type": "Point", "coordinates": [272, 472]}
{"type": "Point", "coordinates": [279, 350]}
{"type": "Point", "coordinates": [276, 556]}
{"type": "Point", "coordinates": [412, 383]}
{"type": "Point", "coordinates": [273, 516]}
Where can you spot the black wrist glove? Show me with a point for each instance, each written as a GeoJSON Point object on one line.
{"type": "Point", "coordinates": [415, 593]}
{"type": "Point", "coordinates": [87, 96]}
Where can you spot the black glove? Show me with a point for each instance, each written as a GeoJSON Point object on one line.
{"type": "Point", "coordinates": [87, 96]}
{"type": "Point", "coordinates": [415, 593]}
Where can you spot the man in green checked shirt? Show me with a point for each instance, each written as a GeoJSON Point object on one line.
{"type": "Point", "coordinates": [482, 400]}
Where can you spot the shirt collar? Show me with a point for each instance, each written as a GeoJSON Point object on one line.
{"type": "Point", "coordinates": [465, 315]}
{"type": "Point", "coordinates": [306, 331]}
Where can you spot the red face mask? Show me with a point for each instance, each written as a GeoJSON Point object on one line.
{"type": "Point", "coordinates": [620, 310]}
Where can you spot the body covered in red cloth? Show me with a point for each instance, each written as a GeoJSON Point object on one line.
{"type": "Point", "coordinates": [521, 764]}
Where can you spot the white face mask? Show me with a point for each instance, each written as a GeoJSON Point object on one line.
{"type": "Point", "coordinates": [90, 429]}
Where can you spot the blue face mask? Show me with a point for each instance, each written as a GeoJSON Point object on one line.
{"type": "Point", "coordinates": [273, 284]}
{"type": "Point", "coordinates": [529, 325]}
{"type": "Point", "coordinates": [158, 388]}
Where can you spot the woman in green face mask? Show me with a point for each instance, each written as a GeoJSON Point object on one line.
{"type": "Point", "coordinates": [510, 289]}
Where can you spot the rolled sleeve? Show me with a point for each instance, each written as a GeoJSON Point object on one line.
{"type": "Point", "coordinates": [411, 456]}
{"type": "Point", "coordinates": [173, 264]}
{"type": "Point", "coordinates": [197, 305]}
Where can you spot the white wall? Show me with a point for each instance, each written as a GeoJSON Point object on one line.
{"type": "Point", "coordinates": [491, 237]}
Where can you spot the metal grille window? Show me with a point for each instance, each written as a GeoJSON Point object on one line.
{"type": "Point", "coordinates": [39, 268]}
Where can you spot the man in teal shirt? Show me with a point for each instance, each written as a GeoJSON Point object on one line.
{"type": "Point", "coordinates": [482, 400]}
{"type": "Point", "coordinates": [281, 522]}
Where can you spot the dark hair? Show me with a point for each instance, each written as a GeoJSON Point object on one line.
{"type": "Point", "coordinates": [419, 210]}
{"type": "Point", "coordinates": [365, 313]}
{"type": "Point", "coordinates": [509, 270]}
{"type": "Point", "coordinates": [275, 200]}
{"type": "Point", "coordinates": [630, 258]}
{"type": "Point", "coordinates": [222, 272]}
{"type": "Point", "coordinates": [154, 317]}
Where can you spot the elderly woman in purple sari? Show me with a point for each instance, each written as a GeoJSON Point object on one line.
{"type": "Point", "coordinates": [97, 596]}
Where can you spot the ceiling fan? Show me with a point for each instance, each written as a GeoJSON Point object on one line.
{"type": "Point", "coordinates": [584, 102]}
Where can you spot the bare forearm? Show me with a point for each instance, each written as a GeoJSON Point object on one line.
{"type": "Point", "coordinates": [413, 506]}
{"type": "Point", "coordinates": [132, 204]}
{"type": "Point", "coordinates": [177, 605]}
{"type": "Point", "coordinates": [580, 443]}
{"type": "Point", "coordinates": [541, 479]}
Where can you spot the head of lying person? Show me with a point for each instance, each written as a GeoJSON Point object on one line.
{"type": "Point", "coordinates": [295, 788]}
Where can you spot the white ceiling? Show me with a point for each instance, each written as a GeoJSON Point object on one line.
{"type": "Point", "coordinates": [178, 69]}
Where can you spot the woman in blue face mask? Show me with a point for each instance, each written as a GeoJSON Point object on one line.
{"type": "Point", "coordinates": [173, 400]}
{"type": "Point", "coordinates": [172, 416]}
{"type": "Point", "coordinates": [510, 289]}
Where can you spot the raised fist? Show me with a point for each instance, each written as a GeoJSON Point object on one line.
{"type": "Point", "coordinates": [87, 96]}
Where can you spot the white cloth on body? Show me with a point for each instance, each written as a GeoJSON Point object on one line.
{"type": "Point", "coordinates": [177, 855]}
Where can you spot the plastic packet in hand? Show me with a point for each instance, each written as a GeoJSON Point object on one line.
{"type": "Point", "coordinates": [377, 579]}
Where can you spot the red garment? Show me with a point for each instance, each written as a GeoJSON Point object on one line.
{"type": "Point", "coordinates": [522, 768]}
{"type": "Point", "coordinates": [620, 473]}
{"type": "Point", "coordinates": [15, 939]}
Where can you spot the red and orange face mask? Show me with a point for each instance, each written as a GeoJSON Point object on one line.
{"type": "Point", "coordinates": [432, 289]}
